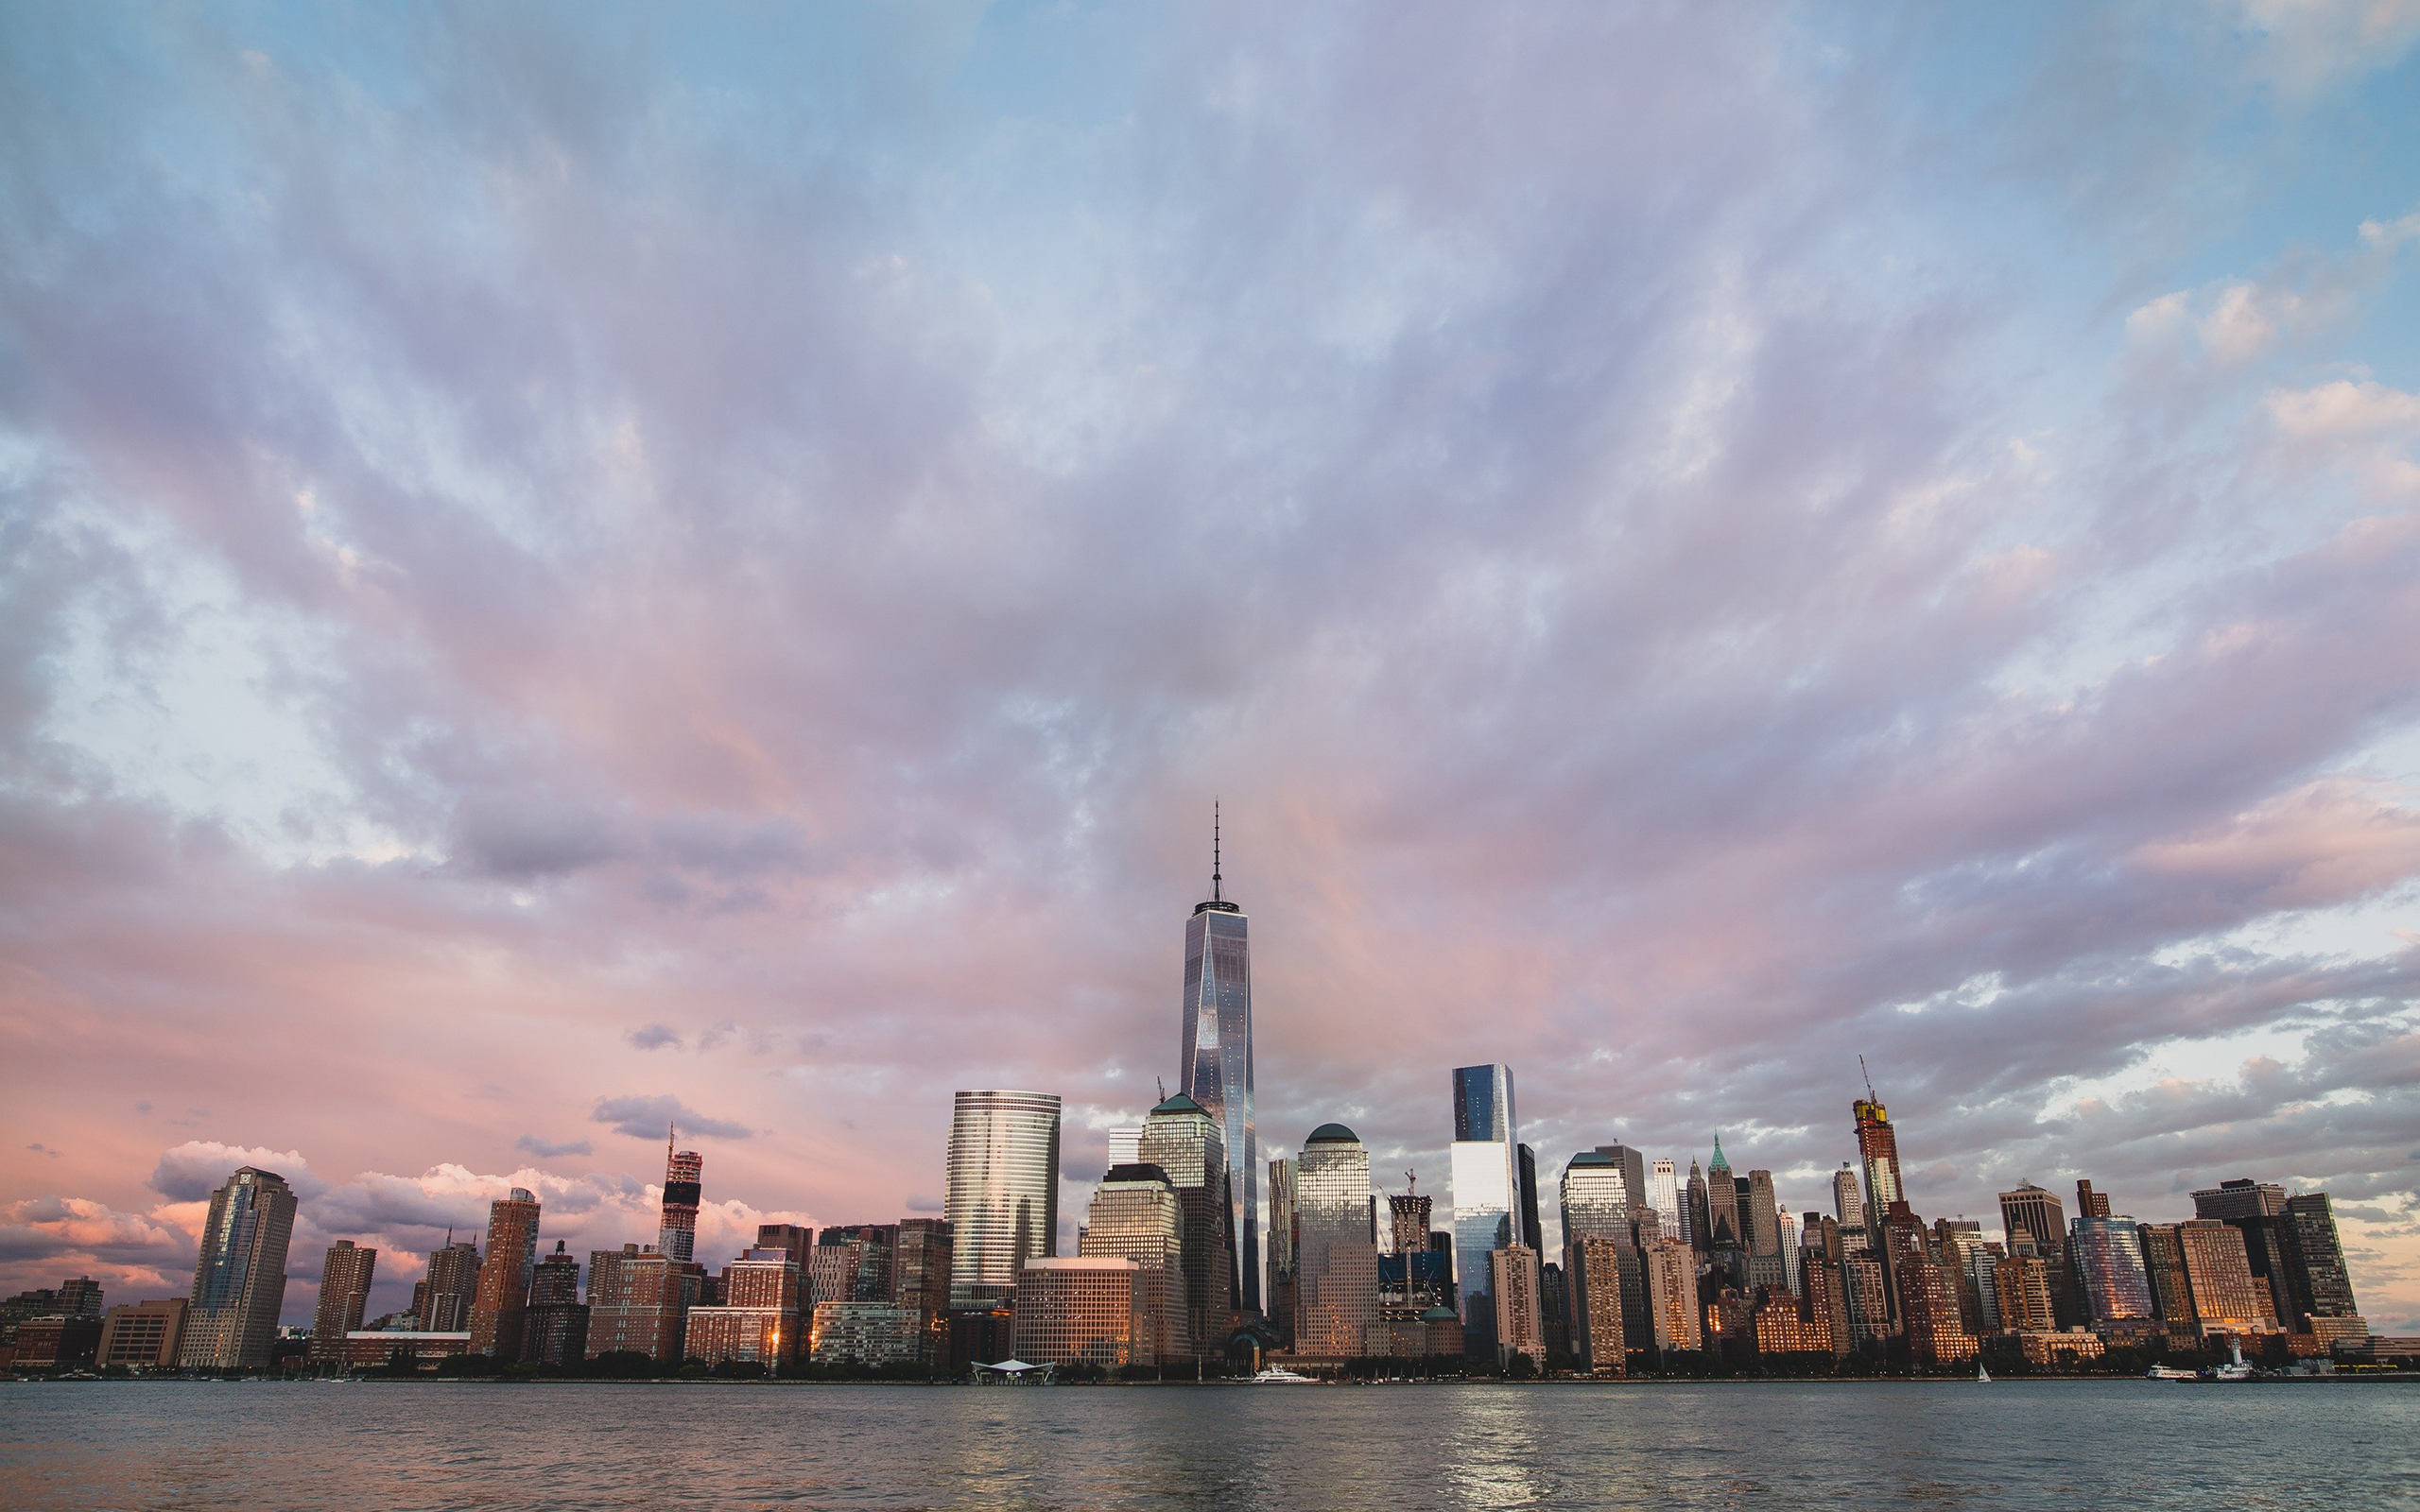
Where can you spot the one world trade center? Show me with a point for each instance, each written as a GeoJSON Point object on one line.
{"type": "Point", "coordinates": [1216, 1056]}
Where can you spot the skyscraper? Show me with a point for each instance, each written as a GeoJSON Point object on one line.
{"type": "Point", "coordinates": [1283, 1227]}
{"type": "Point", "coordinates": [1663, 1191]}
{"type": "Point", "coordinates": [1336, 1256]}
{"type": "Point", "coordinates": [1533, 1232]}
{"type": "Point", "coordinates": [1134, 1216]}
{"type": "Point", "coordinates": [684, 1179]}
{"type": "Point", "coordinates": [239, 1277]}
{"type": "Point", "coordinates": [504, 1277]}
{"type": "Point", "coordinates": [1672, 1295]}
{"type": "Point", "coordinates": [1182, 1140]}
{"type": "Point", "coordinates": [1878, 1152]}
{"type": "Point", "coordinates": [554, 1330]}
{"type": "Point", "coordinates": [2315, 1257]}
{"type": "Point", "coordinates": [2257, 1208]}
{"type": "Point", "coordinates": [1761, 1227]}
{"type": "Point", "coordinates": [2107, 1255]}
{"type": "Point", "coordinates": [1003, 1197]}
{"type": "Point", "coordinates": [1487, 1191]}
{"type": "Point", "coordinates": [1722, 1203]}
{"type": "Point", "coordinates": [1514, 1279]}
{"type": "Point", "coordinates": [453, 1281]}
{"type": "Point", "coordinates": [920, 1271]}
{"type": "Point", "coordinates": [2164, 1270]}
{"type": "Point", "coordinates": [2228, 1298]}
{"type": "Point", "coordinates": [1848, 1205]}
{"type": "Point", "coordinates": [344, 1291]}
{"type": "Point", "coordinates": [1216, 1056]}
{"type": "Point", "coordinates": [1699, 1211]}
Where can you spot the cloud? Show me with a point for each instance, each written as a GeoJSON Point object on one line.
{"type": "Point", "coordinates": [548, 1150]}
{"type": "Point", "coordinates": [57, 1230]}
{"type": "Point", "coordinates": [643, 1117]}
{"type": "Point", "coordinates": [1630, 509]}
{"type": "Point", "coordinates": [2314, 43]}
{"type": "Point", "coordinates": [190, 1171]}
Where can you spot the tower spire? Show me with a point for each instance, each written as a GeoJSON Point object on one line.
{"type": "Point", "coordinates": [1214, 878]}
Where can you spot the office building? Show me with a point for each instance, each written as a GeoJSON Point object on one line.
{"type": "Point", "coordinates": [1824, 1305]}
{"type": "Point", "coordinates": [2256, 1210]}
{"type": "Point", "coordinates": [1282, 1290]}
{"type": "Point", "coordinates": [1486, 1191]}
{"type": "Point", "coordinates": [1003, 1197]}
{"type": "Point", "coordinates": [883, 1333]}
{"type": "Point", "coordinates": [1216, 1054]}
{"type": "Point", "coordinates": [2323, 1288]}
{"type": "Point", "coordinates": [1697, 1210]}
{"type": "Point", "coordinates": [1760, 1229]}
{"type": "Point", "coordinates": [797, 1241]}
{"type": "Point", "coordinates": [504, 1276]}
{"type": "Point", "coordinates": [143, 1335]}
{"type": "Point", "coordinates": [445, 1294]}
{"type": "Point", "coordinates": [1868, 1298]}
{"type": "Point", "coordinates": [1183, 1140]}
{"type": "Point", "coordinates": [1134, 1216]}
{"type": "Point", "coordinates": [853, 1262]}
{"type": "Point", "coordinates": [1592, 1271]}
{"type": "Point", "coordinates": [1877, 1153]}
{"type": "Point", "coordinates": [1525, 1162]}
{"type": "Point", "coordinates": [554, 1327]}
{"type": "Point", "coordinates": [56, 1340]}
{"type": "Point", "coordinates": [685, 1173]}
{"type": "Point", "coordinates": [1597, 1196]}
{"type": "Point", "coordinates": [1672, 1295]}
{"type": "Point", "coordinates": [2228, 1298]}
{"type": "Point", "coordinates": [345, 1291]}
{"type": "Point", "coordinates": [2108, 1256]}
{"type": "Point", "coordinates": [1514, 1282]}
{"type": "Point", "coordinates": [1336, 1252]}
{"type": "Point", "coordinates": [920, 1264]}
{"type": "Point", "coordinates": [758, 1320]}
{"type": "Point", "coordinates": [2164, 1273]}
{"type": "Point", "coordinates": [1084, 1308]}
{"type": "Point", "coordinates": [1848, 1203]}
{"type": "Point", "coordinates": [2021, 1288]}
{"type": "Point", "coordinates": [1723, 1240]}
{"type": "Point", "coordinates": [638, 1303]}
{"type": "Point", "coordinates": [239, 1277]}
{"type": "Point", "coordinates": [1663, 1191]}
{"type": "Point", "coordinates": [1929, 1305]}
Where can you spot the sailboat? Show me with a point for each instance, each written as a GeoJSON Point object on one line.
{"type": "Point", "coordinates": [1982, 1377]}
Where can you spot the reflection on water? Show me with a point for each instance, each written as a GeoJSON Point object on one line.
{"type": "Point", "coordinates": [403, 1448]}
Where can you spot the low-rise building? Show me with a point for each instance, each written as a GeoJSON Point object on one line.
{"type": "Point", "coordinates": [870, 1333]}
{"type": "Point", "coordinates": [143, 1335]}
{"type": "Point", "coordinates": [371, 1349]}
{"type": "Point", "coordinates": [2048, 1346]}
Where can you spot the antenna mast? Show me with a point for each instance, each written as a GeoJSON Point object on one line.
{"type": "Point", "coordinates": [1215, 879]}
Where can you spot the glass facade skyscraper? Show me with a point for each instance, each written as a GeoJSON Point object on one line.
{"type": "Point", "coordinates": [239, 1277]}
{"type": "Point", "coordinates": [1003, 1197]}
{"type": "Point", "coordinates": [1216, 1056]}
{"type": "Point", "coordinates": [2107, 1254]}
{"type": "Point", "coordinates": [1336, 1252]}
{"type": "Point", "coordinates": [1487, 1190]}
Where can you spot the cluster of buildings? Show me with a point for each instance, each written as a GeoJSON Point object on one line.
{"type": "Point", "coordinates": [1169, 1272]}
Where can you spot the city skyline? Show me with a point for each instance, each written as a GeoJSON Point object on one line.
{"type": "Point", "coordinates": [560, 578]}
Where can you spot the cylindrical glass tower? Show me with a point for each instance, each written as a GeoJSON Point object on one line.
{"type": "Point", "coordinates": [1003, 1200]}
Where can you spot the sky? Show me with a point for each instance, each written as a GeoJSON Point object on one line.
{"type": "Point", "coordinates": [565, 568]}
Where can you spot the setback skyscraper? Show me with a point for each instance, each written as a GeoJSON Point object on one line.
{"type": "Point", "coordinates": [239, 1277]}
{"type": "Point", "coordinates": [1216, 1056]}
{"type": "Point", "coordinates": [1003, 1198]}
{"type": "Point", "coordinates": [1182, 1140]}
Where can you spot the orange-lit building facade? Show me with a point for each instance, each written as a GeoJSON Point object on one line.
{"type": "Point", "coordinates": [1081, 1309]}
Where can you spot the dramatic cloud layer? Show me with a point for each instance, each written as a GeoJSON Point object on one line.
{"type": "Point", "coordinates": [564, 570]}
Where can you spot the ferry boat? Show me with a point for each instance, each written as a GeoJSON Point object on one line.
{"type": "Point", "coordinates": [2168, 1372]}
{"type": "Point", "coordinates": [1280, 1376]}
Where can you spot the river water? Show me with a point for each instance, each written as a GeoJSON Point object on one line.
{"type": "Point", "coordinates": [405, 1447]}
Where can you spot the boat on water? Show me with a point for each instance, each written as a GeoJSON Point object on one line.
{"type": "Point", "coordinates": [1280, 1376]}
{"type": "Point", "coordinates": [2235, 1370]}
{"type": "Point", "coordinates": [1982, 1377]}
{"type": "Point", "coordinates": [2170, 1372]}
